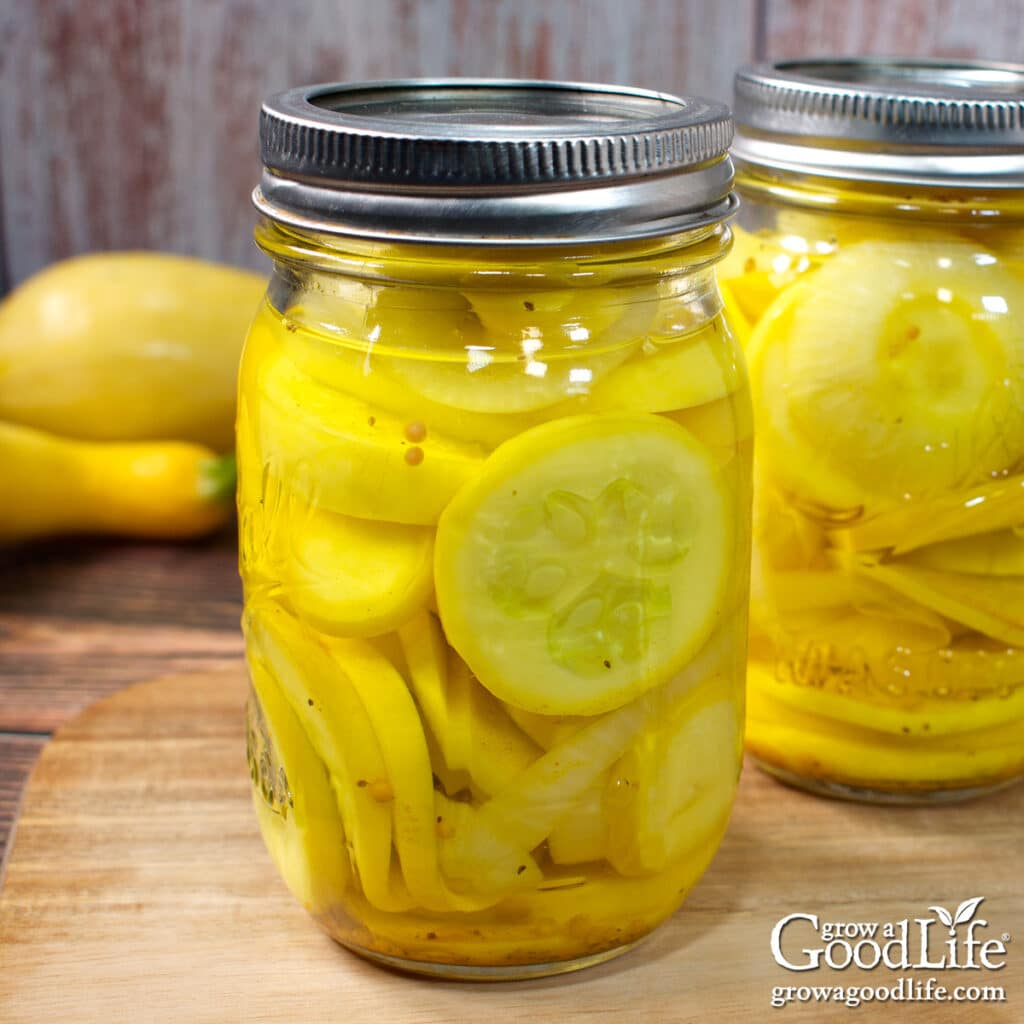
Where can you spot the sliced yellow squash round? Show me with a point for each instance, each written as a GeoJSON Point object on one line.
{"type": "Point", "coordinates": [784, 538]}
{"type": "Point", "coordinates": [472, 730]}
{"type": "Point", "coordinates": [801, 469]}
{"type": "Point", "coordinates": [546, 731]}
{"type": "Point", "coordinates": [482, 379]}
{"type": "Point", "coordinates": [425, 657]}
{"type": "Point", "coordinates": [353, 458]}
{"type": "Point", "coordinates": [944, 694]}
{"type": "Point", "coordinates": [531, 349]}
{"type": "Point", "coordinates": [760, 264]}
{"type": "Point", "coordinates": [993, 505]}
{"type": "Point", "coordinates": [673, 789]}
{"type": "Point", "coordinates": [497, 751]}
{"type": "Point", "coordinates": [526, 812]}
{"type": "Point", "coordinates": [815, 590]}
{"type": "Point", "coordinates": [691, 371]}
{"type": "Point", "coordinates": [394, 316]}
{"type": "Point", "coordinates": [364, 723]}
{"type": "Point", "coordinates": [499, 866]}
{"type": "Point", "coordinates": [394, 718]}
{"type": "Point", "coordinates": [998, 553]}
{"type": "Point", "coordinates": [332, 715]}
{"type": "Point", "coordinates": [816, 747]}
{"type": "Point", "coordinates": [361, 371]}
{"type": "Point", "coordinates": [353, 577]}
{"type": "Point", "coordinates": [992, 605]}
{"type": "Point", "coordinates": [725, 428]}
{"type": "Point", "coordinates": [903, 364]}
{"type": "Point", "coordinates": [586, 563]}
{"type": "Point", "coordinates": [294, 801]}
{"type": "Point", "coordinates": [415, 317]}
{"type": "Point", "coordinates": [557, 317]}
{"type": "Point", "coordinates": [582, 835]}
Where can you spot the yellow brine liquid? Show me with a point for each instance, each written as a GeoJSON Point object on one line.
{"type": "Point", "coordinates": [495, 555]}
{"type": "Point", "coordinates": [887, 368]}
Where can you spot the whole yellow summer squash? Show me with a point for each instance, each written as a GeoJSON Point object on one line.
{"type": "Point", "coordinates": [127, 346]}
{"type": "Point", "coordinates": [54, 485]}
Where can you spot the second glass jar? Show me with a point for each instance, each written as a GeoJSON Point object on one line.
{"type": "Point", "coordinates": [878, 276]}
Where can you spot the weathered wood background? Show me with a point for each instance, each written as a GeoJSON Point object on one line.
{"type": "Point", "coordinates": [132, 123]}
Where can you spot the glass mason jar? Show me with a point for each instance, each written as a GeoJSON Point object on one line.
{"type": "Point", "coordinates": [879, 279]}
{"type": "Point", "coordinates": [494, 445]}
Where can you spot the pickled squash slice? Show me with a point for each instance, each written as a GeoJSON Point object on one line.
{"type": "Point", "coordinates": [802, 470]}
{"type": "Point", "coordinates": [540, 802]}
{"type": "Point", "coordinates": [884, 686]}
{"type": "Point", "coordinates": [361, 371]}
{"type": "Point", "coordinates": [353, 458]}
{"type": "Point", "coordinates": [530, 349]}
{"type": "Point", "coordinates": [759, 266]}
{"type": "Point", "coordinates": [526, 813]}
{"type": "Point", "coordinates": [993, 505]}
{"type": "Point", "coordinates": [673, 789]}
{"type": "Point", "coordinates": [472, 730]}
{"type": "Point", "coordinates": [904, 364]}
{"type": "Point", "coordinates": [338, 728]}
{"type": "Point", "coordinates": [993, 605]}
{"type": "Point", "coordinates": [351, 577]}
{"type": "Point", "coordinates": [546, 731]}
{"type": "Point", "coordinates": [582, 835]}
{"type": "Point", "coordinates": [294, 801]}
{"type": "Point", "coordinates": [586, 563]}
{"type": "Point", "coordinates": [496, 750]}
{"type": "Point", "coordinates": [365, 725]}
{"type": "Point", "coordinates": [690, 371]}
{"type": "Point", "coordinates": [811, 745]}
{"type": "Point", "coordinates": [483, 379]}
{"type": "Point", "coordinates": [997, 553]}
{"type": "Point", "coordinates": [559, 316]}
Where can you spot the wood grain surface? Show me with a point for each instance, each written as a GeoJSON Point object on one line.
{"type": "Point", "coordinates": [18, 754]}
{"type": "Point", "coordinates": [138, 889]}
{"type": "Point", "coordinates": [80, 619]}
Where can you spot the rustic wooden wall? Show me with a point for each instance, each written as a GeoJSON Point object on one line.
{"type": "Point", "coordinates": [988, 29]}
{"type": "Point", "coordinates": [131, 123]}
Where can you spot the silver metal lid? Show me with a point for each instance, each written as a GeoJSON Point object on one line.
{"type": "Point", "coordinates": [493, 162]}
{"type": "Point", "coordinates": [913, 121]}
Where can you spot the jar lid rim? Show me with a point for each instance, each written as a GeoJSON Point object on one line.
{"type": "Point", "coordinates": [909, 120]}
{"type": "Point", "coordinates": [574, 158]}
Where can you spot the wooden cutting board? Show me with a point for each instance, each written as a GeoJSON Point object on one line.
{"type": "Point", "coordinates": [138, 890]}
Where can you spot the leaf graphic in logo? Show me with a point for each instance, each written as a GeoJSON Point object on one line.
{"type": "Point", "coordinates": [963, 913]}
{"type": "Point", "coordinates": [966, 910]}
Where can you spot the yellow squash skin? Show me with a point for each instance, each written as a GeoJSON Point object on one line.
{"type": "Point", "coordinates": [127, 346]}
{"type": "Point", "coordinates": [162, 489]}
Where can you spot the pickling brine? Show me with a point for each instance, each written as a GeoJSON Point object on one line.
{"type": "Point", "coordinates": [885, 338]}
{"type": "Point", "coordinates": [494, 531]}
{"type": "Point", "coordinates": [496, 638]}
